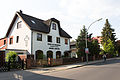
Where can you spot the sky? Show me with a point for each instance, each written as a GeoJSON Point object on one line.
{"type": "Point", "coordinates": [72, 14]}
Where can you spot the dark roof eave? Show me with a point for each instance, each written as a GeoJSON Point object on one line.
{"type": "Point", "coordinates": [66, 36]}
{"type": "Point", "coordinates": [40, 31]}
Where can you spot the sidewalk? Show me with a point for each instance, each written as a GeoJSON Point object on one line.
{"type": "Point", "coordinates": [39, 70]}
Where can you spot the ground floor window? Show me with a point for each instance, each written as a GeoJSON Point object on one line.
{"type": "Point", "coordinates": [49, 54]}
{"type": "Point", "coordinates": [39, 54]}
{"type": "Point", "coordinates": [66, 54]}
{"type": "Point", "coordinates": [58, 54]}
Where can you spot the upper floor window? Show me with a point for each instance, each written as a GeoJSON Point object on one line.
{"type": "Point", "coordinates": [39, 37]}
{"type": "Point", "coordinates": [54, 26]}
{"type": "Point", "coordinates": [66, 41]}
{"type": "Point", "coordinates": [19, 24]}
{"type": "Point", "coordinates": [49, 38]}
{"type": "Point", "coordinates": [33, 22]}
{"type": "Point", "coordinates": [11, 41]}
{"type": "Point", "coordinates": [57, 40]}
{"type": "Point", "coordinates": [4, 42]}
{"type": "Point", "coordinates": [17, 39]}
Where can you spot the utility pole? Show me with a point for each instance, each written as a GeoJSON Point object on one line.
{"type": "Point", "coordinates": [87, 49]}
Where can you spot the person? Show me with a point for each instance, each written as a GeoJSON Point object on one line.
{"type": "Point", "coordinates": [104, 57]}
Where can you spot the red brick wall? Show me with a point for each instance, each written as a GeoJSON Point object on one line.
{"type": "Point", "coordinates": [2, 43]}
{"type": "Point", "coordinates": [22, 57]}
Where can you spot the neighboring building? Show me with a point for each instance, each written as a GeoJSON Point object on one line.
{"type": "Point", "coordinates": [3, 42]}
{"type": "Point", "coordinates": [73, 49]}
{"type": "Point", "coordinates": [29, 35]}
{"type": "Point", "coordinates": [99, 38]}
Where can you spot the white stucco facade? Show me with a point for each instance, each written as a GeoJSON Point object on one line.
{"type": "Point", "coordinates": [28, 40]}
{"type": "Point", "coordinates": [43, 45]}
{"type": "Point", "coordinates": [24, 33]}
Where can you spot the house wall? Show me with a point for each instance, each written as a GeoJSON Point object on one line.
{"type": "Point", "coordinates": [43, 45]}
{"type": "Point", "coordinates": [2, 45]}
{"type": "Point", "coordinates": [24, 34]}
{"type": "Point", "coordinates": [99, 38]}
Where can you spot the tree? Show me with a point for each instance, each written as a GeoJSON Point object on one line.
{"type": "Point", "coordinates": [108, 33]}
{"type": "Point", "coordinates": [118, 46]}
{"type": "Point", "coordinates": [93, 45]}
{"type": "Point", "coordinates": [108, 37]}
{"type": "Point", "coordinates": [11, 56]}
{"type": "Point", "coordinates": [109, 47]}
{"type": "Point", "coordinates": [80, 42]}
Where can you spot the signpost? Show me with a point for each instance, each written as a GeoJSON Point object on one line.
{"type": "Point", "coordinates": [86, 50]}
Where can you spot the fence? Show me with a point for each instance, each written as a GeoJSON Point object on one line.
{"type": "Point", "coordinates": [61, 61]}
{"type": "Point", "coordinates": [7, 66]}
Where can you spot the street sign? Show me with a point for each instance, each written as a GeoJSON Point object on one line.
{"type": "Point", "coordinates": [86, 50]}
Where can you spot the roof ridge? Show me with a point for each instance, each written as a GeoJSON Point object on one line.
{"type": "Point", "coordinates": [30, 16]}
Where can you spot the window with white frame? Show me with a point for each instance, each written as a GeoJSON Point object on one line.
{"type": "Point", "coordinates": [39, 37]}
{"type": "Point", "coordinates": [49, 38]}
{"type": "Point", "coordinates": [53, 26]}
{"type": "Point", "coordinates": [57, 39]}
{"type": "Point", "coordinates": [19, 24]}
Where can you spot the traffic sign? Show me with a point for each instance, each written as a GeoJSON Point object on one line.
{"type": "Point", "coordinates": [86, 50]}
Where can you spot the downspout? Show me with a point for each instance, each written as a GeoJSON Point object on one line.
{"type": "Point", "coordinates": [31, 42]}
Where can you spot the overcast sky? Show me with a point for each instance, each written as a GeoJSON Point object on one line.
{"type": "Point", "coordinates": [72, 14]}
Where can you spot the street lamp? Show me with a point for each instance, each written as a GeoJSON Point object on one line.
{"type": "Point", "coordinates": [86, 49]}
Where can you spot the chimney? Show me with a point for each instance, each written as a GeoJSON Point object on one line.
{"type": "Point", "coordinates": [20, 11]}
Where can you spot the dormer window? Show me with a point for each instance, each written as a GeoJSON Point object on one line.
{"type": "Point", "coordinates": [33, 22]}
{"type": "Point", "coordinates": [19, 24]}
{"type": "Point", "coordinates": [53, 26]}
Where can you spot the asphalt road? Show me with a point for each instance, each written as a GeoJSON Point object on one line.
{"type": "Point", "coordinates": [110, 70]}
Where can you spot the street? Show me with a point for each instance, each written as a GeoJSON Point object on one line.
{"type": "Point", "coordinates": [110, 70]}
{"type": "Point", "coordinates": [100, 71]}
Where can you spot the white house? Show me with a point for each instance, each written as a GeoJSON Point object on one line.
{"type": "Point", "coordinates": [29, 35]}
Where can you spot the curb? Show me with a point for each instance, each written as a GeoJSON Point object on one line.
{"type": "Point", "coordinates": [66, 67]}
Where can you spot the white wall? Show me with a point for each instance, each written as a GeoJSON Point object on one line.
{"type": "Point", "coordinates": [43, 45]}
{"type": "Point", "coordinates": [22, 33]}
{"type": "Point", "coordinates": [37, 45]}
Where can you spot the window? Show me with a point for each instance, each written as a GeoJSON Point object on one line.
{"type": "Point", "coordinates": [39, 37]}
{"type": "Point", "coordinates": [54, 26]}
{"type": "Point", "coordinates": [11, 40]}
{"type": "Point", "coordinates": [57, 40]}
{"type": "Point", "coordinates": [49, 38]}
{"type": "Point", "coordinates": [17, 39]}
{"type": "Point", "coordinates": [66, 41]}
{"type": "Point", "coordinates": [4, 42]}
{"type": "Point", "coordinates": [19, 24]}
{"type": "Point", "coordinates": [33, 22]}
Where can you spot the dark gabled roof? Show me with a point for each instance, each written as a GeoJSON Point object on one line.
{"type": "Point", "coordinates": [38, 24]}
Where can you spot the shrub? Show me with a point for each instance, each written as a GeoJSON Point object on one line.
{"type": "Point", "coordinates": [11, 56]}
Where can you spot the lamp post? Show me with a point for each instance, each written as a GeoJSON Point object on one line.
{"type": "Point", "coordinates": [86, 39]}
